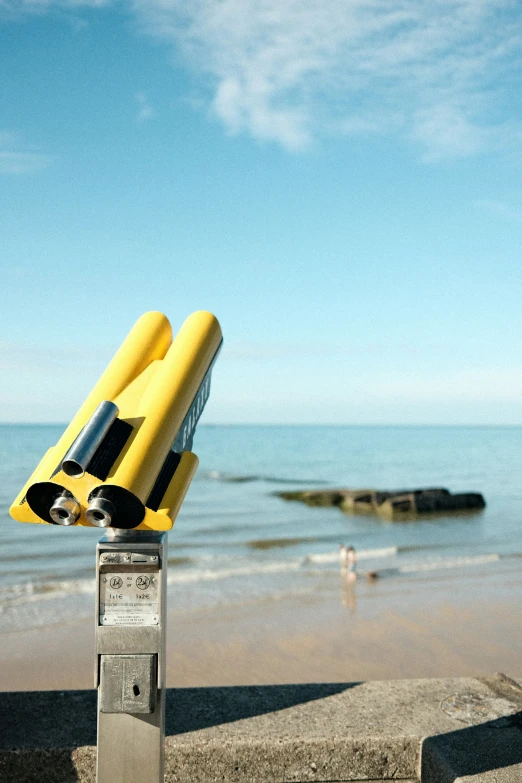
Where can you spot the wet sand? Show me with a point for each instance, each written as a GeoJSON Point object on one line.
{"type": "Point", "coordinates": [465, 625]}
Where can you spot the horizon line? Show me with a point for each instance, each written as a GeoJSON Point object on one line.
{"type": "Point", "coordinates": [294, 424]}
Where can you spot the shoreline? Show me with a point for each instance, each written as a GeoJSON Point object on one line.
{"type": "Point", "coordinates": [439, 627]}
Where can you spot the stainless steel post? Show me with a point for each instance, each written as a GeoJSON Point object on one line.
{"type": "Point", "coordinates": [131, 579]}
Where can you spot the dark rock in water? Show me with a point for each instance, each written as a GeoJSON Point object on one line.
{"type": "Point", "coordinates": [370, 501]}
{"type": "Point", "coordinates": [415, 503]}
{"type": "Point", "coordinates": [390, 503]}
{"type": "Point", "coordinates": [316, 497]}
{"type": "Point", "coordinates": [289, 495]}
{"type": "Point", "coordinates": [358, 501]}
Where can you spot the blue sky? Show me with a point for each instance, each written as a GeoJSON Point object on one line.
{"type": "Point", "coordinates": [339, 181]}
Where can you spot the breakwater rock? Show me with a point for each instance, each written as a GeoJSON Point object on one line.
{"type": "Point", "coordinates": [394, 504]}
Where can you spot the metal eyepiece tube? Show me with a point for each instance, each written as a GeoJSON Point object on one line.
{"type": "Point", "coordinates": [65, 510]}
{"type": "Point", "coordinates": [100, 512]}
{"type": "Point", "coordinates": [84, 447]}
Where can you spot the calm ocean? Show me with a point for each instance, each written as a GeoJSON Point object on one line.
{"type": "Point", "coordinates": [235, 542]}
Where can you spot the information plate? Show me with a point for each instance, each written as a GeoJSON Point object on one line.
{"type": "Point", "coordinates": [128, 599]}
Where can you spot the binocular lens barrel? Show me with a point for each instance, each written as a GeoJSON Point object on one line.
{"type": "Point", "coordinates": [84, 447]}
{"type": "Point", "coordinates": [100, 512]}
{"type": "Point", "coordinates": [126, 461]}
{"type": "Point", "coordinates": [65, 510]}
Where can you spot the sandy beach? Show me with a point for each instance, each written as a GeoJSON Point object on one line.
{"type": "Point", "coordinates": [465, 625]}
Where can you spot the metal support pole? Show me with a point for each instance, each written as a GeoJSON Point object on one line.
{"type": "Point", "coordinates": [131, 580]}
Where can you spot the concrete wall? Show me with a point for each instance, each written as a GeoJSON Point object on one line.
{"type": "Point", "coordinates": [439, 731]}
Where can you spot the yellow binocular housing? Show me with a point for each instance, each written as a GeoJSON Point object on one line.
{"type": "Point", "coordinates": [125, 460]}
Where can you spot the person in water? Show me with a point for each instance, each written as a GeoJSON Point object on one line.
{"type": "Point", "coordinates": [348, 561]}
{"type": "Point", "coordinates": [347, 558]}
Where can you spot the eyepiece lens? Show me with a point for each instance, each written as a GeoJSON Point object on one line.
{"type": "Point", "coordinates": [100, 512]}
{"type": "Point", "coordinates": [65, 510]}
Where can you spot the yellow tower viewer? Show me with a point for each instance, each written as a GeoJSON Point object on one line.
{"type": "Point", "coordinates": [125, 461]}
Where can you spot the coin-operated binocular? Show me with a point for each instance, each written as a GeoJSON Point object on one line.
{"type": "Point", "coordinates": [125, 460]}
{"type": "Point", "coordinates": [125, 463]}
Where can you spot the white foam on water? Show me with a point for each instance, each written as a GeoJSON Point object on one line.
{"type": "Point", "coordinates": [362, 554]}
{"type": "Point", "coordinates": [451, 562]}
{"type": "Point", "coordinates": [31, 592]}
{"type": "Point", "coordinates": [226, 573]}
{"type": "Point", "coordinates": [42, 591]}
{"type": "Point", "coordinates": [278, 566]}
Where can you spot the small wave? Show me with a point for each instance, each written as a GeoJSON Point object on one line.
{"type": "Point", "coordinates": [275, 543]}
{"type": "Point", "coordinates": [279, 480]}
{"type": "Point", "coordinates": [216, 475]}
{"type": "Point", "coordinates": [179, 560]}
{"type": "Point", "coordinates": [216, 530]}
{"type": "Point", "coordinates": [29, 591]}
{"type": "Point", "coordinates": [282, 566]}
{"type": "Point", "coordinates": [451, 562]}
{"type": "Point", "coordinates": [362, 554]}
{"type": "Point", "coordinates": [32, 556]}
{"type": "Point", "coordinates": [225, 573]}
{"type": "Point", "coordinates": [443, 545]}
{"type": "Point", "coordinates": [37, 591]}
{"type": "Point", "coordinates": [221, 513]}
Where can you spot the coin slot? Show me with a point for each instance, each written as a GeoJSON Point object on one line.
{"type": "Point", "coordinates": [128, 683]}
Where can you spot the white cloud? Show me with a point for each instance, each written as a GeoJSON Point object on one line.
{"type": "Point", "coordinates": [446, 131]}
{"type": "Point", "coordinates": [22, 162]}
{"type": "Point", "coordinates": [291, 71]}
{"type": "Point", "coordinates": [436, 72]}
{"type": "Point", "coordinates": [70, 10]}
{"type": "Point", "coordinates": [145, 110]}
{"type": "Point", "coordinates": [501, 209]}
{"type": "Point", "coordinates": [35, 6]}
{"type": "Point", "coordinates": [14, 160]}
{"type": "Point", "coordinates": [32, 357]}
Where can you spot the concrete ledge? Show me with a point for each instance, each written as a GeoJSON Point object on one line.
{"type": "Point", "coordinates": [488, 745]}
{"type": "Point", "coordinates": [439, 731]}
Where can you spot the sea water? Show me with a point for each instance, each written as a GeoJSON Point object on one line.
{"type": "Point", "coordinates": [235, 541]}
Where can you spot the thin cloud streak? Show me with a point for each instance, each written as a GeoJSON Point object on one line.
{"type": "Point", "coordinates": [17, 7]}
{"type": "Point", "coordinates": [22, 162]}
{"type": "Point", "coordinates": [501, 209]}
{"type": "Point", "coordinates": [291, 72]}
{"type": "Point", "coordinates": [30, 358]}
{"type": "Point", "coordinates": [14, 160]}
{"type": "Point", "coordinates": [145, 110]}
